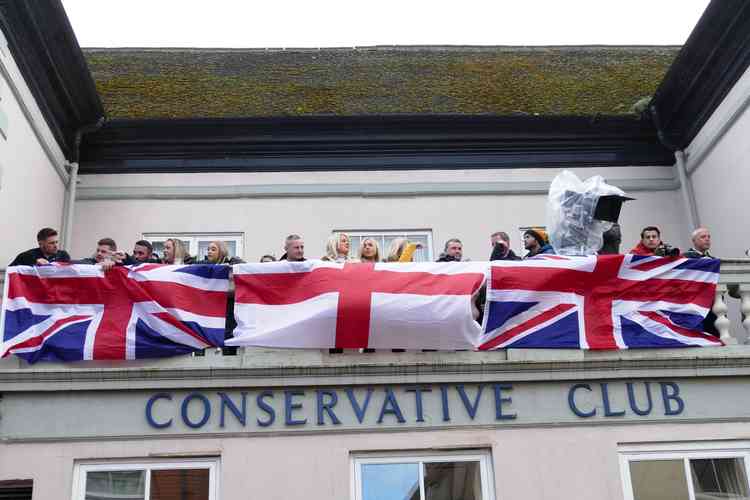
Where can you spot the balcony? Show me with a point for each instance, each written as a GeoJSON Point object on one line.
{"type": "Point", "coordinates": [273, 367]}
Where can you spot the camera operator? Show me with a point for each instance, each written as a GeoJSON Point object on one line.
{"type": "Point", "coordinates": [651, 244]}
{"type": "Point", "coordinates": [500, 242]}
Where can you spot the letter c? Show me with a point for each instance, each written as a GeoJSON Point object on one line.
{"type": "Point", "coordinates": [572, 401]}
{"type": "Point", "coordinates": [149, 408]}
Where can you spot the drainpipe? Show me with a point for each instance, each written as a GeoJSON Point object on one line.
{"type": "Point", "coordinates": [686, 186]}
{"type": "Point", "coordinates": [70, 194]}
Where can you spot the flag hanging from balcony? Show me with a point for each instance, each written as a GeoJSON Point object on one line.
{"type": "Point", "coordinates": [599, 302]}
{"type": "Point", "coordinates": [79, 312]}
{"type": "Point", "coordinates": [314, 304]}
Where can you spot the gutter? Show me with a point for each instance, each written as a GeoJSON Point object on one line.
{"type": "Point", "coordinates": [70, 193]}
{"type": "Point", "coordinates": [686, 186]}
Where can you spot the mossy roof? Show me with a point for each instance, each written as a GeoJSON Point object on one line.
{"type": "Point", "coordinates": [207, 83]}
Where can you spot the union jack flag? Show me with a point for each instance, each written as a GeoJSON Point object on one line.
{"type": "Point", "coordinates": [79, 312]}
{"type": "Point", "coordinates": [599, 302]}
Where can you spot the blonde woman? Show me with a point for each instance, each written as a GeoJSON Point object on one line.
{"type": "Point", "coordinates": [369, 251]}
{"type": "Point", "coordinates": [218, 253]}
{"type": "Point", "coordinates": [401, 250]}
{"type": "Point", "coordinates": [175, 253]}
{"type": "Point", "coordinates": [337, 248]}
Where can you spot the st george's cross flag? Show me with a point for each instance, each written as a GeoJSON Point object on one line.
{"type": "Point", "coordinates": [315, 304]}
{"type": "Point", "coordinates": [80, 312]}
{"type": "Point", "coordinates": [599, 302]}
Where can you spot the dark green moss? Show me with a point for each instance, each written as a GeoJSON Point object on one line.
{"type": "Point", "coordinates": [180, 84]}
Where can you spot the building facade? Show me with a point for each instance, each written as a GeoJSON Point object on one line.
{"type": "Point", "coordinates": [294, 424]}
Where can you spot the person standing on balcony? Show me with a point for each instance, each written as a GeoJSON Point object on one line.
{"type": "Point", "coordinates": [337, 248]}
{"type": "Point", "coordinates": [536, 242]}
{"type": "Point", "coordinates": [650, 241]}
{"type": "Point", "coordinates": [294, 249]}
{"type": "Point", "coordinates": [106, 255]}
{"type": "Point", "coordinates": [500, 242]}
{"type": "Point", "coordinates": [143, 253]}
{"type": "Point", "coordinates": [401, 250]}
{"type": "Point", "coordinates": [175, 253]}
{"type": "Point", "coordinates": [217, 253]}
{"type": "Point", "coordinates": [701, 244]}
{"type": "Point", "coordinates": [369, 251]}
{"type": "Point", "coordinates": [452, 252]}
{"type": "Point", "coordinates": [48, 250]}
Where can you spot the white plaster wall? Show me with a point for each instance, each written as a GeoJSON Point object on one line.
{"type": "Point", "coordinates": [266, 221]}
{"type": "Point", "coordinates": [31, 192]}
{"type": "Point", "coordinates": [578, 462]}
{"type": "Point", "coordinates": [722, 179]}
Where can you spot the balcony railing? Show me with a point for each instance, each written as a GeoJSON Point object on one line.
{"type": "Point", "coordinates": [733, 290]}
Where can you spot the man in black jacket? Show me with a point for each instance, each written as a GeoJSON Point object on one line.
{"type": "Point", "coordinates": [500, 242]}
{"type": "Point", "coordinates": [48, 250]}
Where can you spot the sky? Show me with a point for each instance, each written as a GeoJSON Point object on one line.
{"type": "Point", "coordinates": [347, 23]}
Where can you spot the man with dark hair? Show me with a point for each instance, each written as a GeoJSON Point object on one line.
{"type": "Point", "coordinates": [106, 255]}
{"type": "Point", "coordinates": [535, 240]}
{"type": "Point", "coordinates": [47, 251]}
{"type": "Point", "coordinates": [452, 252]}
{"type": "Point", "coordinates": [650, 241]}
{"type": "Point", "coordinates": [143, 252]}
{"type": "Point", "coordinates": [500, 242]}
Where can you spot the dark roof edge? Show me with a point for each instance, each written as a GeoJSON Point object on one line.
{"type": "Point", "coordinates": [369, 142]}
{"type": "Point", "coordinates": [714, 57]}
{"type": "Point", "coordinates": [43, 44]}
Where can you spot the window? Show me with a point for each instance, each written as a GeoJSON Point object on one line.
{"type": "Point", "coordinates": [384, 239]}
{"type": "Point", "coordinates": [197, 243]}
{"type": "Point", "coordinates": [180, 480]}
{"type": "Point", "coordinates": [700, 473]}
{"type": "Point", "coordinates": [455, 476]}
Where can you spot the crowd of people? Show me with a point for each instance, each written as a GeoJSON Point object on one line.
{"type": "Point", "coordinates": [535, 241]}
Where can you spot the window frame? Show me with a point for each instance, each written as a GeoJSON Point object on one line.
{"type": "Point", "coordinates": [682, 451]}
{"type": "Point", "coordinates": [82, 468]}
{"type": "Point", "coordinates": [404, 233]}
{"type": "Point", "coordinates": [195, 238]}
{"type": "Point", "coordinates": [483, 456]}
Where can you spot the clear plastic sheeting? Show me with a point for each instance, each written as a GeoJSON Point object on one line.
{"type": "Point", "coordinates": [571, 206]}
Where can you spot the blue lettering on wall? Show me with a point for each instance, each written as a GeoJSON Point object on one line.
{"type": "Point", "coordinates": [149, 409]}
{"type": "Point", "coordinates": [226, 402]}
{"type": "Point", "coordinates": [290, 406]}
{"type": "Point", "coordinates": [572, 401]}
{"type": "Point", "coordinates": [671, 392]}
{"type": "Point", "coordinates": [390, 406]}
{"type": "Point", "coordinates": [471, 409]}
{"type": "Point", "coordinates": [444, 400]}
{"type": "Point", "coordinates": [359, 411]}
{"type": "Point", "coordinates": [418, 400]}
{"type": "Point", "coordinates": [499, 400]}
{"type": "Point", "coordinates": [268, 409]}
{"type": "Point", "coordinates": [608, 411]}
{"type": "Point", "coordinates": [326, 406]}
{"type": "Point", "coordinates": [206, 410]}
{"type": "Point", "coordinates": [634, 403]}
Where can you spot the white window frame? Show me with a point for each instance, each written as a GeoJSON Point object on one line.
{"type": "Point", "coordinates": [404, 233]}
{"type": "Point", "coordinates": [194, 238]}
{"type": "Point", "coordinates": [484, 457]}
{"type": "Point", "coordinates": [680, 451]}
{"type": "Point", "coordinates": [148, 465]}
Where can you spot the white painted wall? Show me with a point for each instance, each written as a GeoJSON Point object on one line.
{"type": "Point", "coordinates": [722, 177]}
{"type": "Point", "coordinates": [533, 464]}
{"type": "Point", "coordinates": [31, 191]}
{"type": "Point", "coordinates": [266, 221]}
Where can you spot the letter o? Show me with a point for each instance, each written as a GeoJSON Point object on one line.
{"type": "Point", "coordinates": [206, 410]}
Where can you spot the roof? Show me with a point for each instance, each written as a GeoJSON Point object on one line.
{"type": "Point", "coordinates": [216, 83]}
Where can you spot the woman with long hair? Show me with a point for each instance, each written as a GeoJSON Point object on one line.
{"type": "Point", "coordinates": [337, 248]}
{"type": "Point", "coordinates": [401, 250]}
{"type": "Point", "coordinates": [218, 253]}
{"type": "Point", "coordinates": [175, 253]}
{"type": "Point", "coordinates": [369, 250]}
